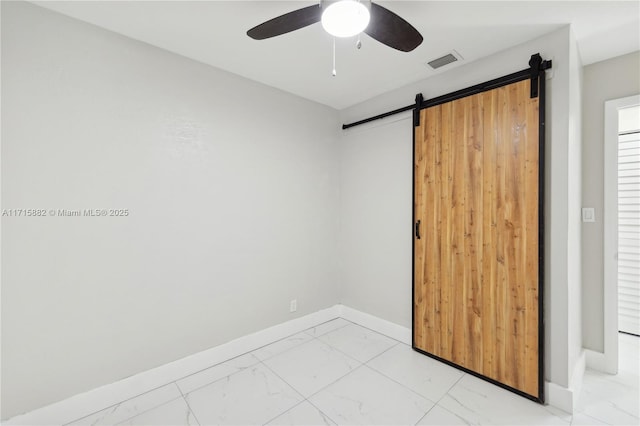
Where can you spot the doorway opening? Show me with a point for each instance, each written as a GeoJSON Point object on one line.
{"type": "Point", "coordinates": [622, 225]}
{"type": "Point", "coordinates": [629, 220]}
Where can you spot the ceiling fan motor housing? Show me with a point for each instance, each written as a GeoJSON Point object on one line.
{"type": "Point", "coordinates": [345, 18]}
{"type": "Point", "coordinates": [326, 3]}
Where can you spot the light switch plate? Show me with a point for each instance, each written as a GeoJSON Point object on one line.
{"type": "Point", "coordinates": [588, 214]}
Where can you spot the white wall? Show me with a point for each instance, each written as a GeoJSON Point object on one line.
{"type": "Point", "coordinates": [231, 188]}
{"type": "Point", "coordinates": [611, 79]}
{"type": "Point", "coordinates": [375, 229]}
{"type": "Point", "coordinates": [376, 274]}
{"type": "Point", "coordinates": [575, 360]}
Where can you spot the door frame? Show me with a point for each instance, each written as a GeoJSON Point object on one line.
{"type": "Point", "coordinates": [537, 76]}
{"type": "Point", "coordinates": [610, 304]}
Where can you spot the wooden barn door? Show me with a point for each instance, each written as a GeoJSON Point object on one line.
{"type": "Point", "coordinates": [476, 244]}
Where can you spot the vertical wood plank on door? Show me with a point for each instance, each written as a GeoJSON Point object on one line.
{"type": "Point", "coordinates": [513, 190]}
{"type": "Point", "coordinates": [473, 232]}
{"type": "Point", "coordinates": [444, 234]}
{"type": "Point", "coordinates": [489, 211]}
{"type": "Point", "coordinates": [424, 193]}
{"type": "Point", "coordinates": [501, 338]}
{"type": "Point", "coordinates": [421, 192]}
{"type": "Point", "coordinates": [456, 224]}
{"type": "Point", "coordinates": [432, 121]}
{"type": "Point", "coordinates": [476, 272]}
{"type": "Point", "coordinates": [435, 116]}
{"type": "Point", "coordinates": [531, 278]}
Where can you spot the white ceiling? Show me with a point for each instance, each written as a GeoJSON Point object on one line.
{"type": "Point", "coordinates": [214, 32]}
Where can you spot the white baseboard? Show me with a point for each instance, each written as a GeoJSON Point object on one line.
{"type": "Point", "coordinates": [559, 397]}
{"type": "Point", "coordinates": [595, 360]}
{"type": "Point", "coordinates": [600, 362]}
{"type": "Point", "coordinates": [577, 378]}
{"type": "Point", "coordinates": [86, 403]}
{"type": "Point", "coordinates": [566, 398]}
{"type": "Point", "coordinates": [578, 371]}
{"type": "Point", "coordinates": [388, 328]}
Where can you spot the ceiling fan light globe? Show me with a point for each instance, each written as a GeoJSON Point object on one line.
{"type": "Point", "coordinates": [345, 18]}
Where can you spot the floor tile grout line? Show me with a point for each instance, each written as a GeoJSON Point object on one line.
{"type": "Point", "coordinates": [323, 413]}
{"type": "Point", "coordinates": [351, 356]}
{"type": "Point", "coordinates": [284, 412]}
{"type": "Point", "coordinates": [222, 362]}
{"type": "Point", "coordinates": [405, 386]}
{"type": "Point", "coordinates": [305, 399]}
{"type": "Point", "coordinates": [281, 352]}
{"type": "Point", "coordinates": [424, 415]}
{"type": "Point", "coordinates": [327, 332]}
{"type": "Point", "coordinates": [445, 409]}
{"type": "Point", "coordinates": [451, 387]}
{"type": "Point", "coordinates": [438, 402]}
{"type": "Point", "coordinates": [297, 405]}
{"type": "Point", "coordinates": [336, 380]}
{"type": "Point", "coordinates": [341, 351]}
{"type": "Point", "coordinates": [465, 420]}
{"type": "Point", "coordinates": [603, 421]}
{"type": "Point", "coordinates": [146, 411]}
{"type": "Point", "coordinates": [281, 378]}
{"type": "Point", "coordinates": [184, 398]}
{"type": "Point", "coordinates": [375, 331]}
{"type": "Point", "coordinates": [591, 417]}
{"type": "Point", "coordinates": [218, 379]}
{"type": "Point", "coordinates": [382, 353]}
{"type": "Point", "coordinates": [122, 402]}
{"type": "Point", "coordinates": [324, 343]}
{"type": "Point", "coordinates": [398, 383]}
{"type": "Point", "coordinates": [548, 409]}
{"type": "Point", "coordinates": [299, 344]}
{"type": "Point", "coordinates": [178, 386]}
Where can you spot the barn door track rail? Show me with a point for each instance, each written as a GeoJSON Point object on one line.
{"type": "Point", "coordinates": [536, 69]}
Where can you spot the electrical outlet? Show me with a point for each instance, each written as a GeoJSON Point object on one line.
{"type": "Point", "coordinates": [293, 305]}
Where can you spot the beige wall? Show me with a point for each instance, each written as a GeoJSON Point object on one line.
{"type": "Point", "coordinates": [611, 79]}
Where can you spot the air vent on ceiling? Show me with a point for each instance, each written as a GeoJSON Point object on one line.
{"type": "Point", "coordinates": [444, 60]}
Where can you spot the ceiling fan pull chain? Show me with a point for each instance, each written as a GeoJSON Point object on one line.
{"type": "Point", "coordinates": [359, 43]}
{"type": "Point", "coordinates": [334, 57]}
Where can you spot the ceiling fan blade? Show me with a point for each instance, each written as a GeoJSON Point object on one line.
{"type": "Point", "coordinates": [286, 23]}
{"type": "Point", "coordinates": [390, 29]}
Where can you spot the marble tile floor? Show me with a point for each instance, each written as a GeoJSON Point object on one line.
{"type": "Point", "coordinates": [342, 373]}
{"type": "Point", "coordinates": [614, 400]}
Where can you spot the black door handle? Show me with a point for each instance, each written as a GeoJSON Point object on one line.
{"type": "Point", "coordinates": [418, 229]}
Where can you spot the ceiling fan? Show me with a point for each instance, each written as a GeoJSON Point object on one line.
{"type": "Point", "coordinates": [345, 18]}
